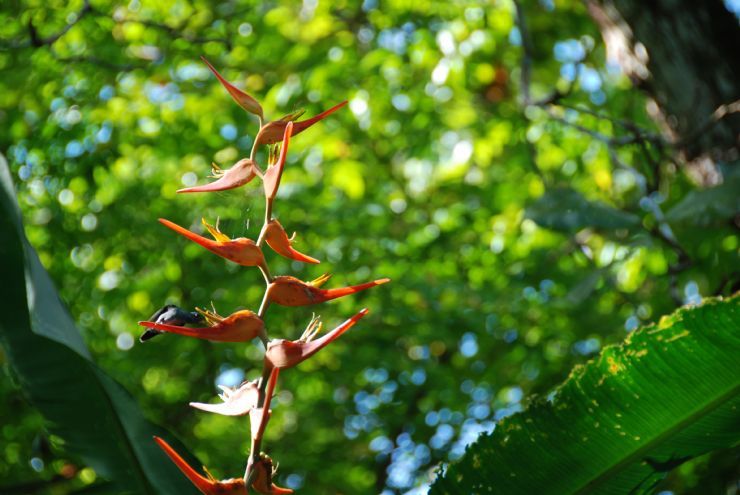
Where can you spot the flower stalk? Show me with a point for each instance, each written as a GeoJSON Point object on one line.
{"type": "Point", "coordinates": [253, 399]}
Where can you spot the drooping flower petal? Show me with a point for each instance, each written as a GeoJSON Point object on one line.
{"type": "Point", "coordinates": [206, 485]}
{"type": "Point", "coordinates": [241, 326]}
{"type": "Point", "coordinates": [263, 474]}
{"type": "Point", "coordinates": [235, 402]}
{"type": "Point", "coordinates": [288, 353]}
{"type": "Point", "coordinates": [273, 132]}
{"type": "Point", "coordinates": [239, 174]}
{"type": "Point", "coordinates": [290, 291]}
{"type": "Point", "coordinates": [241, 251]}
{"type": "Point", "coordinates": [243, 99]}
{"type": "Point", "coordinates": [278, 240]}
{"type": "Point", "coordinates": [271, 178]}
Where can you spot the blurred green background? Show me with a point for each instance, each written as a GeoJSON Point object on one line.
{"type": "Point", "coordinates": [425, 178]}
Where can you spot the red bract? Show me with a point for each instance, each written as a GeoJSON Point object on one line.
{"type": "Point", "coordinates": [241, 326]}
{"type": "Point", "coordinates": [278, 240]}
{"type": "Point", "coordinates": [286, 354]}
{"type": "Point", "coordinates": [243, 99]}
{"type": "Point", "coordinates": [273, 132]}
{"type": "Point", "coordinates": [206, 485]}
{"type": "Point", "coordinates": [239, 174]}
{"type": "Point", "coordinates": [290, 291]}
{"type": "Point", "coordinates": [241, 251]}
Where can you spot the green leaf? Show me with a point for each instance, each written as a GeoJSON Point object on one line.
{"type": "Point", "coordinates": [708, 206]}
{"type": "Point", "coordinates": [585, 287]}
{"type": "Point", "coordinates": [567, 210]}
{"type": "Point", "coordinates": [96, 417]}
{"type": "Point", "coordinates": [670, 392]}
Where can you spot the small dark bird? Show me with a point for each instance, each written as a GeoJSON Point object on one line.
{"type": "Point", "coordinates": [170, 315]}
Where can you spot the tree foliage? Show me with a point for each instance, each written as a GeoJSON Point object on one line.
{"type": "Point", "coordinates": [431, 179]}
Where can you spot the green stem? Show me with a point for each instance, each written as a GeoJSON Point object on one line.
{"type": "Point", "coordinates": [265, 303]}
{"type": "Point", "coordinates": [255, 444]}
{"type": "Point", "coordinates": [265, 273]}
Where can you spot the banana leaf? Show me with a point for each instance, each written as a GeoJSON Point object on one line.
{"type": "Point", "coordinates": [97, 419]}
{"type": "Point", "coordinates": [621, 422]}
{"type": "Point", "coordinates": [565, 209]}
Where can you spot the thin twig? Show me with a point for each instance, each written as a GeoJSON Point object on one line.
{"type": "Point", "coordinates": [526, 65]}
{"type": "Point", "coordinates": [609, 140]}
{"type": "Point", "coordinates": [626, 124]}
{"type": "Point", "coordinates": [557, 95]}
{"type": "Point", "coordinates": [719, 113]}
{"type": "Point", "coordinates": [100, 62]}
{"type": "Point", "coordinates": [177, 31]}
{"type": "Point", "coordinates": [36, 41]}
{"type": "Point", "coordinates": [525, 74]}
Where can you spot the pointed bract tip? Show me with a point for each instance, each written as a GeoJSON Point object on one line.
{"type": "Point", "coordinates": [202, 483]}
{"type": "Point", "coordinates": [360, 315]}
{"type": "Point", "coordinates": [244, 100]}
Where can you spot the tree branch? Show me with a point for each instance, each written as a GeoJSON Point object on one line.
{"type": "Point", "coordinates": [177, 31]}
{"type": "Point", "coordinates": [36, 41]}
{"type": "Point", "coordinates": [526, 64]}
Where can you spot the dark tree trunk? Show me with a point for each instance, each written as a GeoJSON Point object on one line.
{"type": "Point", "coordinates": [686, 55]}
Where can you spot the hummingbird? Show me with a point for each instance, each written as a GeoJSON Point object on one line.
{"type": "Point", "coordinates": [170, 315]}
{"type": "Point", "coordinates": [241, 326]}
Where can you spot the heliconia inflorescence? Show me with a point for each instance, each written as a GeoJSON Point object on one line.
{"type": "Point", "coordinates": [252, 398]}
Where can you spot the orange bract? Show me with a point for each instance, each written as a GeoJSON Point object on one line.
{"type": "Point", "coordinates": [243, 99]}
{"type": "Point", "coordinates": [241, 251]}
{"type": "Point", "coordinates": [290, 291]}
{"type": "Point", "coordinates": [241, 326]}
{"type": "Point", "coordinates": [206, 485]}
{"type": "Point", "coordinates": [239, 174]}
{"type": "Point", "coordinates": [278, 240]}
{"type": "Point", "coordinates": [286, 354]}
{"type": "Point", "coordinates": [272, 132]}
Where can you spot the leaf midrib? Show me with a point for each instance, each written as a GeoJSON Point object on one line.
{"type": "Point", "coordinates": [659, 439]}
